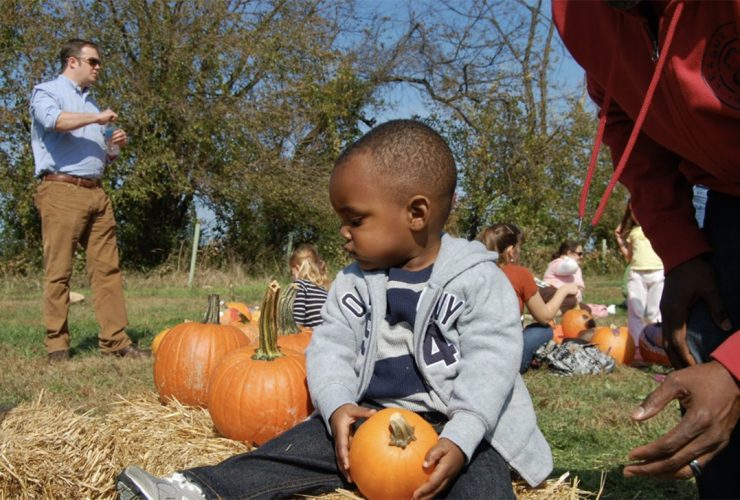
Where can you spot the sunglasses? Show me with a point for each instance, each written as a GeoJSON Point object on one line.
{"type": "Point", "coordinates": [580, 254]}
{"type": "Point", "coordinates": [91, 61]}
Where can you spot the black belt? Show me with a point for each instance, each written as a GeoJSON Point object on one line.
{"type": "Point", "coordinates": [73, 179]}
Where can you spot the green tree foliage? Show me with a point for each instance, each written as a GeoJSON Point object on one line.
{"type": "Point", "coordinates": [242, 106]}
{"type": "Point", "coordinates": [522, 151]}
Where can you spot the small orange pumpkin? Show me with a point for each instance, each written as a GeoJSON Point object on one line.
{"type": "Point", "coordinates": [575, 321]}
{"type": "Point", "coordinates": [557, 332]}
{"type": "Point", "coordinates": [650, 344]}
{"type": "Point", "coordinates": [188, 353]}
{"type": "Point", "coordinates": [158, 340]}
{"type": "Point", "coordinates": [387, 452]}
{"type": "Point", "coordinates": [234, 312]}
{"type": "Point", "coordinates": [615, 341]}
{"type": "Point", "coordinates": [257, 393]}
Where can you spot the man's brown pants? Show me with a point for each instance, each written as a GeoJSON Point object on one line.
{"type": "Point", "coordinates": [72, 215]}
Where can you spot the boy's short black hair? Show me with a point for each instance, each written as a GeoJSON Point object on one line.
{"type": "Point", "coordinates": [411, 158]}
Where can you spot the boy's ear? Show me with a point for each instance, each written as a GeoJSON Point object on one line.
{"type": "Point", "coordinates": [419, 212]}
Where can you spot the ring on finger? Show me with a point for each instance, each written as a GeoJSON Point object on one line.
{"type": "Point", "coordinates": [695, 468]}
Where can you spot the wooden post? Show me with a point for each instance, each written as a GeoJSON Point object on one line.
{"type": "Point", "coordinates": [194, 254]}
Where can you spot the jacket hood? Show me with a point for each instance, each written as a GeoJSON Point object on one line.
{"type": "Point", "coordinates": [457, 255]}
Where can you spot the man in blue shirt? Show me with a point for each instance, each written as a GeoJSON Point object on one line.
{"type": "Point", "coordinates": [70, 153]}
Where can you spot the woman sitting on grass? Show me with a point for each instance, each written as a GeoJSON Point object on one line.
{"type": "Point", "coordinates": [506, 239]}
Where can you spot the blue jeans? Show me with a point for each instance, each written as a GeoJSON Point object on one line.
{"type": "Point", "coordinates": [534, 336]}
{"type": "Point", "coordinates": [302, 461]}
{"type": "Point", "coordinates": [720, 478]}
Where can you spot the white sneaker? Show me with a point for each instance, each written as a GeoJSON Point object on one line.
{"type": "Point", "coordinates": [611, 309]}
{"type": "Point", "coordinates": [135, 482]}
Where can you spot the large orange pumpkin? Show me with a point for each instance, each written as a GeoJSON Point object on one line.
{"type": "Point", "coordinates": [615, 341]}
{"type": "Point", "coordinates": [387, 452]}
{"type": "Point", "coordinates": [257, 393]}
{"type": "Point", "coordinates": [188, 353]}
{"type": "Point", "coordinates": [575, 321]}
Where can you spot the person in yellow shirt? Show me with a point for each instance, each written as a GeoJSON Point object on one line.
{"type": "Point", "coordinates": [645, 276]}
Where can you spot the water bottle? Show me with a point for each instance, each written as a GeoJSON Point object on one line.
{"type": "Point", "coordinates": [112, 149]}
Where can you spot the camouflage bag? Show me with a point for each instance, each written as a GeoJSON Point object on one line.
{"type": "Point", "coordinates": [574, 357]}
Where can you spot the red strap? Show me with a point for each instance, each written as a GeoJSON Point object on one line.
{"type": "Point", "coordinates": [635, 130]}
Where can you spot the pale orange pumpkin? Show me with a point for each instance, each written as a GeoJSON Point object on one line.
{"type": "Point", "coordinates": [575, 321]}
{"type": "Point", "coordinates": [188, 353]}
{"type": "Point", "coordinates": [387, 452]}
{"type": "Point", "coordinates": [234, 312]}
{"type": "Point", "coordinates": [615, 341]}
{"type": "Point", "coordinates": [257, 393]}
{"type": "Point", "coordinates": [158, 340]}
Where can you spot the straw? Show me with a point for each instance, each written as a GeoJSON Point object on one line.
{"type": "Point", "coordinates": [48, 450]}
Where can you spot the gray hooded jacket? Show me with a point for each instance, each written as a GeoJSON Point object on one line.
{"type": "Point", "coordinates": [467, 345]}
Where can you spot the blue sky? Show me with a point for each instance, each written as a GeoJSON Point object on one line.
{"type": "Point", "coordinates": [408, 101]}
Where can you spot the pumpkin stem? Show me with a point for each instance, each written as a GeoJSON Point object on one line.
{"type": "Point", "coordinates": [286, 321]}
{"type": "Point", "coordinates": [212, 313]}
{"type": "Point", "coordinates": [268, 349]}
{"type": "Point", "coordinates": [402, 434]}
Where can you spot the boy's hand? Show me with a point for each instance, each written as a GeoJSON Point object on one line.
{"type": "Point", "coordinates": [447, 460]}
{"type": "Point", "coordinates": [341, 428]}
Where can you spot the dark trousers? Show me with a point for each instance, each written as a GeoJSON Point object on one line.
{"type": "Point", "coordinates": [302, 461]}
{"type": "Point", "coordinates": [721, 476]}
{"type": "Point", "coordinates": [534, 336]}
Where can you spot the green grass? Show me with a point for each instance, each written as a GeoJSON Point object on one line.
{"type": "Point", "coordinates": [585, 418]}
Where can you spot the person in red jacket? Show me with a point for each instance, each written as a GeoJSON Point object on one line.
{"type": "Point", "coordinates": [666, 76]}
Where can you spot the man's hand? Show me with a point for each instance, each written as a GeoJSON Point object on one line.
{"type": "Point", "coordinates": [341, 428]}
{"type": "Point", "coordinates": [685, 285]}
{"type": "Point", "coordinates": [446, 459]}
{"type": "Point", "coordinates": [711, 398]}
{"type": "Point", "coordinates": [106, 116]}
{"type": "Point", "coordinates": [119, 137]}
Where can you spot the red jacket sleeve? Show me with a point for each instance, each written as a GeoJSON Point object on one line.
{"type": "Point", "coordinates": [660, 194]}
{"type": "Point", "coordinates": [729, 354]}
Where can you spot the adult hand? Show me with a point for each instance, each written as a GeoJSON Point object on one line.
{"type": "Point", "coordinates": [341, 428]}
{"type": "Point", "coordinates": [705, 428]}
{"type": "Point", "coordinates": [685, 285]}
{"type": "Point", "coordinates": [119, 137]}
{"type": "Point", "coordinates": [446, 459]}
{"type": "Point", "coordinates": [107, 116]}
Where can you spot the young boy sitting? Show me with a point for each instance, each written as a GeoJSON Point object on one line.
{"type": "Point", "coordinates": [420, 320]}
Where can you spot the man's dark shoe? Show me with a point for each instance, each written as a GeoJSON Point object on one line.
{"type": "Point", "coordinates": [130, 352]}
{"type": "Point", "coordinates": [58, 356]}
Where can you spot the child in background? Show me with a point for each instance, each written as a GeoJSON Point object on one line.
{"type": "Point", "coordinates": [420, 320]}
{"type": "Point", "coordinates": [645, 276]}
{"type": "Point", "coordinates": [506, 240]}
{"type": "Point", "coordinates": [311, 279]}
{"type": "Point", "coordinates": [564, 269]}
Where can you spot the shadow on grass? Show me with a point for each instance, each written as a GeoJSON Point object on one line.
{"type": "Point", "coordinates": [89, 344]}
{"type": "Point", "coordinates": [618, 487]}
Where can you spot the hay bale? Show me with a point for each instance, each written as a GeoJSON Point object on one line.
{"type": "Point", "coordinates": [50, 451]}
